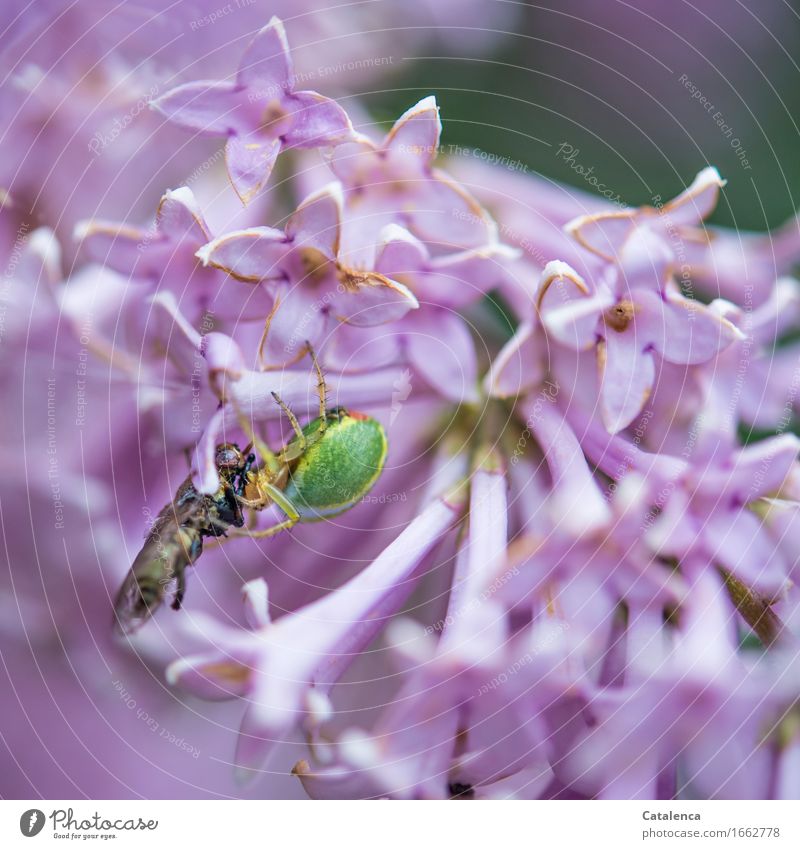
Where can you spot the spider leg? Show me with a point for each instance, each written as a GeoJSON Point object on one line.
{"type": "Point", "coordinates": [269, 532]}
{"type": "Point", "coordinates": [322, 389]}
{"type": "Point", "coordinates": [299, 447]}
{"type": "Point", "coordinates": [277, 497]}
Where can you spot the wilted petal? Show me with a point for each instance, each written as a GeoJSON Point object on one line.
{"type": "Point", "coordinates": [603, 233]}
{"type": "Point", "coordinates": [250, 160]}
{"type": "Point", "coordinates": [416, 133]}
{"type": "Point", "coordinates": [370, 298]}
{"type": "Point", "coordinates": [696, 202]}
{"type": "Point", "coordinates": [249, 255]}
{"type": "Point", "coordinates": [179, 217]}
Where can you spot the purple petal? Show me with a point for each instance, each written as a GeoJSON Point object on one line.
{"type": "Point", "coordinates": [444, 213]}
{"type": "Point", "coordinates": [215, 108]}
{"type": "Point", "coordinates": [316, 644]}
{"type": "Point", "coordinates": [249, 255]}
{"type": "Point", "coordinates": [483, 553]}
{"type": "Point", "coordinates": [737, 540]}
{"type": "Point", "coordinates": [336, 782]}
{"type": "Point", "coordinates": [788, 772]}
{"type": "Point", "coordinates": [315, 121]}
{"type": "Point", "coordinates": [569, 311]}
{"type": "Point", "coordinates": [225, 361]}
{"type": "Point", "coordinates": [316, 223]}
{"type": "Point", "coordinates": [296, 318]}
{"type": "Point", "coordinates": [179, 217]}
{"type": "Point", "coordinates": [441, 349]}
{"type": "Point", "coordinates": [120, 248]}
{"type": "Point", "coordinates": [370, 298]}
{"type": "Point", "coordinates": [400, 252]}
{"type": "Point", "coordinates": [266, 65]}
{"type": "Point", "coordinates": [696, 202]}
{"type": "Point", "coordinates": [416, 133]}
{"type": "Point", "coordinates": [528, 783]}
{"type": "Point", "coordinates": [603, 233]}
{"type": "Point", "coordinates": [211, 677]}
{"type": "Point", "coordinates": [645, 262]}
{"type": "Point", "coordinates": [250, 160]}
{"type": "Point", "coordinates": [357, 163]}
{"type": "Point", "coordinates": [458, 279]}
{"type": "Point", "coordinates": [256, 603]}
{"type": "Point", "coordinates": [758, 469]}
{"type": "Point", "coordinates": [683, 331]}
{"type": "Point", "coordinates": [627, 374]}
{"type": "Point", "coordinates": [517, 368]}
{"type": "Point", "coordinates": [576, 498]}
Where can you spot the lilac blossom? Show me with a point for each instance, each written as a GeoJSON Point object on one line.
{"type": "Point", "coordinates": [260, 113]}
{"type": "Point", "coordinates": [575, 577]}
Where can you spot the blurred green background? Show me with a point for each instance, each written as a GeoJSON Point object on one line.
{"type": "Point", "coordinates": [648, 92]}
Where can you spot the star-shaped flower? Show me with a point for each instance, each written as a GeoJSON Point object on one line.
{"type": "Point", "coordinates": [164, 257]}
{"type": "Point", "coordinates": [395, 182]}
{"type": "Point", "coordinates": [260, 112]}
{"type": "Point", "coordinates": [630, 314]}
{"type": "Point", "coordinates": [312, 285]}
{"type": "Point", "coordinates": [674, 223]}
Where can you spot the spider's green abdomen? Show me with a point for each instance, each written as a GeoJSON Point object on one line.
{"type": "Point", "coordinates": [336, 472]}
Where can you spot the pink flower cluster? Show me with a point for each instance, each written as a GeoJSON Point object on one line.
{"type": "Point", "coordinates": [577, 576]}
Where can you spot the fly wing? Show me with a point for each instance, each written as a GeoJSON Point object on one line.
{"type": "Point", "coordinates": [153, 572]}
{"type": "Point", "coordinates": [172, 544]}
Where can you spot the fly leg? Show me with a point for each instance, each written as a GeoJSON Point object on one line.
{"type": "Point", "coordinates": [180, 590]}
